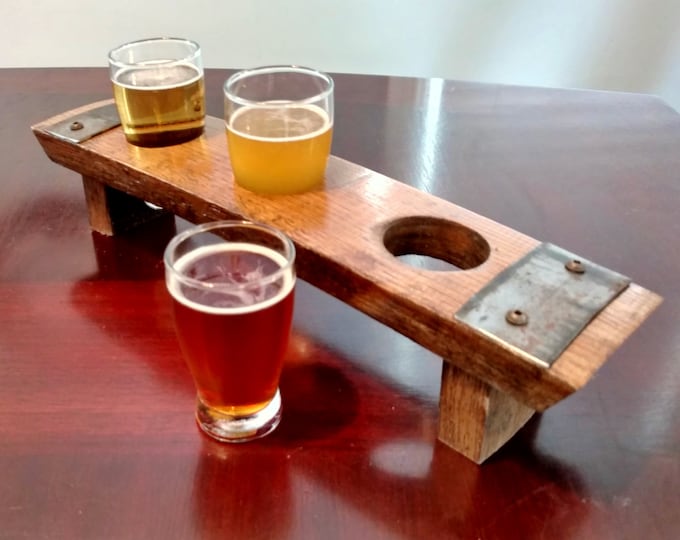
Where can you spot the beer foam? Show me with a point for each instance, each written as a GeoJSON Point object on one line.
{"type": "Point", "coordinates": [157, 76]}
{"type": "Point", "coordinates": [250, 303]}
{"type": "Point", "coordinates": [274, 114]}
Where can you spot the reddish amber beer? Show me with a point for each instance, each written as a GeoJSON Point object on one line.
{"type": "Point", "coordinates": [232, 285]}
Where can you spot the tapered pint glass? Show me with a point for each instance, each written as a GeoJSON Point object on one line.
{"type": "Point", "coordinates": [159, 90]}
{"type": "Point", "coordinates": [232, 285]}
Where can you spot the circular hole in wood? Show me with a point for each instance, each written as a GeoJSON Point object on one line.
{"type": "Point", "coordinates": [435, 244]}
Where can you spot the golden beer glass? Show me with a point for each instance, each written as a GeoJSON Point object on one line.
{"type": "Point", "coordinates": [279, 122]}
{"type": "Point", "coordinates": [232, 284]}
{"type": "Point", "coordinates": [159, 90]}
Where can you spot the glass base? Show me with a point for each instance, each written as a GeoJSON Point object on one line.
{"type": "Point", "coordinates": [229, 428]}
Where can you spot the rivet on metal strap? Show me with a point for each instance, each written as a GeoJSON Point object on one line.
{"type": "Point", "coordinates": [575, 266]}
{"type": "Point", "coordinates": [517, 317]}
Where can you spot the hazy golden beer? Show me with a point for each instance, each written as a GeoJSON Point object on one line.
{"type": "Point", "coordinates": [279, 123]}
{"type": "Point", "coordinates": [159, 90]}
{"type": "Point", "coordinates": [279, 149]}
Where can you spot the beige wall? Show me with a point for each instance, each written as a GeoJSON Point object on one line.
{"type": "Point", "coordinates": [627, 45]}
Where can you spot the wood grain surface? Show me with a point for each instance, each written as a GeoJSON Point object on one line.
{"type": "Point", "coordinates": [346, 234]}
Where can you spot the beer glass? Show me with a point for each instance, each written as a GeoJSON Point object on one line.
{"type": "Point", "coordinates": [159, 90]}
{"type": "Point", "coordinates": [232, 284]}
{"type": "Point", "coordinates": [279, 122]}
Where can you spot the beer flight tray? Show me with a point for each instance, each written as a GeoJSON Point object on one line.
{"type": "Point", "coordinates": [520, 326]}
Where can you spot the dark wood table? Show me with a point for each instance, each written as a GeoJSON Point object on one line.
{"type": "Point", "coordinates": [97, 437]}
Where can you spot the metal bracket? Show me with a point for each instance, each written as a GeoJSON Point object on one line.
{"type": "Point", "coordinates": [84, 126]}
{"type": "Point", "coordinates": [542, 302]}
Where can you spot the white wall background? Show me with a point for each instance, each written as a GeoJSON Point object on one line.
{"type": "Point", "coordinates": [627, 45]}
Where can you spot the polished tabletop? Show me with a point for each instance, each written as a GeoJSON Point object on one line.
{"type": "Point", "coordinates": [97, 436]}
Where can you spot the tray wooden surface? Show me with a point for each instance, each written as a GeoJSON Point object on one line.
{"type": "Point", "coordinates": [347, 235]}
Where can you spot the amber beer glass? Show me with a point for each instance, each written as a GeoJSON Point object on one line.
{"type": "Point", "coordinates": [159, 90]}
{"type": "Point", "coordinates": [279, 122]}
{"type": "Point", "coordinates": [232, 284]}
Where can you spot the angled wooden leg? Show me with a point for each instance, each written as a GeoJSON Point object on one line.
{"type": "Point", "coordinates": [112, 211]}
{"type": "Point", "coordinates": [475, 419]}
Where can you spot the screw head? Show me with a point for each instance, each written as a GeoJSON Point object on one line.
{"type": "Point", "coordinates": [517, 317]}
{"type": "Point", "coordinates": [75, 126]}
{"type": "Point", "coordinates": [575, 266]}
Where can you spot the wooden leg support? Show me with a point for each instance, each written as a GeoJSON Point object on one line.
{"type": "Point", "coordinates": [112, 211]}
{"type": "Point", "coordinates": [475, 419]}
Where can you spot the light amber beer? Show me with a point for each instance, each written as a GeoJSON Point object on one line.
{"type": "Point", "coordinates": [160, 105]}
{"type": "Point", "coordinates": [234, 337]}
{"type": "Point", "coordinates": [279, 148]}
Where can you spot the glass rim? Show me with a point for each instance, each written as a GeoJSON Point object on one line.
{"type": "Point", "coordinates": [191, 55]}
{"type": "Point", "coordinates": [288, 244]}
{"type": "Point", "coordinates": [282, 68]}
